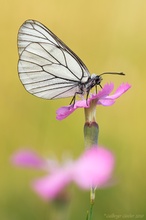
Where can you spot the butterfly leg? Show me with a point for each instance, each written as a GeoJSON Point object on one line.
{"type": "Point", "coordinates": [87, 97]}
{"type": "Point", "coordinates": [73, 100]}
{"type": "Point", "coordinates": [74, 97]}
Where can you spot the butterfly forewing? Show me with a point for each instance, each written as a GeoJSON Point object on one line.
{"type": "Point", "coordinates": [47, 67]}
{"type": "Point", "coordinates": [33, 31]}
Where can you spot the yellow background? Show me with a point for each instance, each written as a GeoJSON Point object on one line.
{"type": "Point", "coordinates": [107, 36]}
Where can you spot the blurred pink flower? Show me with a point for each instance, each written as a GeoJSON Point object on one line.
{"type": "Point", "coordinates": [27, 158]}
{"type": "Point", "coordinates": [103, 97]}
{"type": "Point", "coordinates": [92, 169]}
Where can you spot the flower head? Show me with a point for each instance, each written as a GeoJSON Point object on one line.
{"type": "Point", "coordinates": [103, 97]}
{"type": "Point", "coordinates": [92, 169]}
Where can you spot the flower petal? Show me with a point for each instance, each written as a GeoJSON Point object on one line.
{"type": "Point", "coordinates": [64, 112]}
{"type": "Point", "coordinates": [94, 168]}
{"type": "Point", "coordinates": [120, 90]}
{"type": "Point", "coordinates": [27, 158]}
{"type": "Point", "coordinates": [107, 89]}
{"type": "Point", "coordinates": [50, 186]}
{"type": "Point", "coordinates": [106, 102]}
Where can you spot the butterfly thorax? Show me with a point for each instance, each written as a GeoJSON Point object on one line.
{"type": "Point", "coordinates": [93, 80]}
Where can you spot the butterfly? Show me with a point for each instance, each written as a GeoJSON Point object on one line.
{"type": "Point", "coordinates": [48, 68]}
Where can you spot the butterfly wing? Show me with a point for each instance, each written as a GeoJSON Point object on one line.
{"type": "Point", "coordinates": [47, 67]}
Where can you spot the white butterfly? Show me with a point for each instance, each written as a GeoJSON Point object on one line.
{"type": "Point", "coordinates": [48, 68]}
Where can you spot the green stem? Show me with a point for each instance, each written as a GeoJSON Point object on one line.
{"type": "Point", "coordinates": [91, 130]}
{"type": "Point", "coordinates": [90, 211]}
{"type": "Point", "coordinates": [92, 197]}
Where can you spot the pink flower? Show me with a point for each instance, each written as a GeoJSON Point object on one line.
{"type": "Point", "coordinates": [103, 97]}
{"type": "Point", "coordinates": [92, 169]}
{"type": "Point", "coordinates": [27, 158]}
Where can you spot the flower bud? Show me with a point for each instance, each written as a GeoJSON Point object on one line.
{"type": "Point", "coordinates": [91, 130]}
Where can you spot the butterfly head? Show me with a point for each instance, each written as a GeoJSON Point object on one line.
{"type": "Point", "coordinates": [94, 80]}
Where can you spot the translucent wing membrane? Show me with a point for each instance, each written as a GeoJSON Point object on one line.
{"type": "Point", "coordinates": [47, 67]}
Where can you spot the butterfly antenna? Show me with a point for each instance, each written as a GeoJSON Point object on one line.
{"type": "Point", "coordinates": [113, 73]}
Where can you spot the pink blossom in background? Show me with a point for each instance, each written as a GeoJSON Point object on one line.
{"type": "Point", "coordinates": [27, 158]}
{"type": "Point", "coordinates": [103, 97]}
{"type": "Point", "coordinates": [50, 186]}
{"type": "Point", "coordinates": [93, 168]}
{"type": "Point", "coordinates": [97, 165]}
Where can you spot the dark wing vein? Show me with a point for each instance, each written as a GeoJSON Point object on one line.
{"type": "Point", "coordinates": [58, 94]}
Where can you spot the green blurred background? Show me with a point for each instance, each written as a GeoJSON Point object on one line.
{"type": "Point", "coordinates": [107, 36]}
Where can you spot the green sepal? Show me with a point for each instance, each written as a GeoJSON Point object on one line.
{"type": "Point", "coordinates": [91, 130]}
